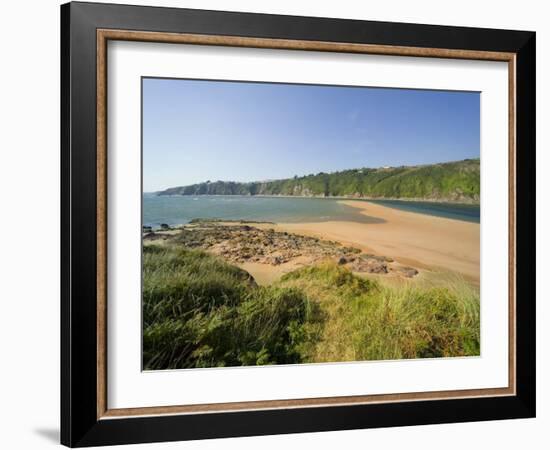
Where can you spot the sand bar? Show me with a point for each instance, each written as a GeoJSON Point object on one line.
{"type": "Point", "coordinates": [420, 240]}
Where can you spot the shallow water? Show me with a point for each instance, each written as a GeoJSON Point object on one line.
{"type": "Point", "coordinates": [468, 213]}
{"type": "Point", "coordinates": [174, 210]}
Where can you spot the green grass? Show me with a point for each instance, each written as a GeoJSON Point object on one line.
{"type": "Point", "coordinates": [366, 320]}
{"type": "Point", "coordinates": [199, 311]}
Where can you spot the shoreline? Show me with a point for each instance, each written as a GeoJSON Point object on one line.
{"type": "Point", "coordinates": [322, 197]}
{"type": "Point", "coordinates": [421, 240]}
{"type": "Point", "coordinates": [429, 243]}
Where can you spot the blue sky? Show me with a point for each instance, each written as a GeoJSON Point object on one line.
{"type": "Point", "coordinates": [195, 130]}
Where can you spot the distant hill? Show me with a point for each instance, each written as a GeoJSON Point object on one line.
{"type": "Point", "coordinates": [451, 181]}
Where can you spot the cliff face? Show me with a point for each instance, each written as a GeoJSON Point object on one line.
{"type": "Point", "coordinates": [453, 181]}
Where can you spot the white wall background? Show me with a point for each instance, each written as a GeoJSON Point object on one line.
{"type": "Point", "coordinates": [29, 250]}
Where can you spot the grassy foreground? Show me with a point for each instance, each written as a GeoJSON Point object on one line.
{"type": "Point", "coordinates": [199, 311]}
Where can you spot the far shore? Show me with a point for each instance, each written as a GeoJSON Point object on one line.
{"type": "Point", "coordinates": [420, 240]}
{"type": "Point", "coordinates": [465, 202]}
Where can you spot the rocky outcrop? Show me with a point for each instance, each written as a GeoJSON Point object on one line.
{"type": "Point", "coordinates": [241, 243]}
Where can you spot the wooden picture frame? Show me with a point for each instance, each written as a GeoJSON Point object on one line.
{"type": "Point", "coordinates": [86, 418]}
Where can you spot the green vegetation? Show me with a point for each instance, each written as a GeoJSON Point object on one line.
{"type": "Point", "coordinates": [199, 311]}
{"type": "Point", "coordinates": [453, 181]}
{"type": "Point", "coordinates": [366, 320]}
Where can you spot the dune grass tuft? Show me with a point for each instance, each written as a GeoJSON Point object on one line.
{"type": "Point", "coordinates": [369, 321]}
{"type": "Point", "coordinates": [199, 311]}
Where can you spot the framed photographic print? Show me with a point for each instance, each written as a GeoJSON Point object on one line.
{"type": "Point", "coordinates": [276, 224]}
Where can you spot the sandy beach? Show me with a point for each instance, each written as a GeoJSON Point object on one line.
{"type": "Point", "coordinates": [399, 246]}
{"type": "Point", "coordinates": [422, 241]}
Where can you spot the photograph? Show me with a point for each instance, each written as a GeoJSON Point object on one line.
{"type": "Point", "coordinates": [299, 224]}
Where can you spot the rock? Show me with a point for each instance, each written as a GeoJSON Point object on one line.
{"type": "Point", "coordinates": [370, 266]}
{"type": "Point", "coordinates": [152, 236]}
{"type": "Point", "coordinates": [164, 226]}
{"type": "Point", "coordinates": [274, 260]}
{"type": "Point", "coordinates": [351, 250]}
{"type": "Point", "coordinates": [377, 268]}
{"type": "Point", "coordinates": [408, 272]}
{"type": "Point", "coordinates": [241, 242]}
{"type": "Point", "coordinates": [376, 257]}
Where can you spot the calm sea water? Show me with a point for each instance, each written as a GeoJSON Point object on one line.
{"type": "Point", "coordinates": [468, 213]}
{"type": "Point", "coordinates": [174, 210]}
